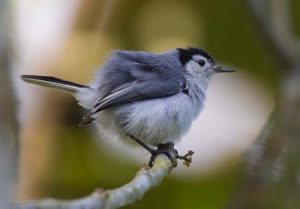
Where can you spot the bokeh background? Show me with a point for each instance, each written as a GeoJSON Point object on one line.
{"type": "Point", "coordinates": [70, 39]}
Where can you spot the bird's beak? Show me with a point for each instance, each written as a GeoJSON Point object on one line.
{"type": "Point", "coordinates": [219, 69]}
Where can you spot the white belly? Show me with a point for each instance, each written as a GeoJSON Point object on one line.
{"type": "Point", "coordinates": [153, 121]}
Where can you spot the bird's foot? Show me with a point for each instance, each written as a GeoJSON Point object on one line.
{"type": "Point", "coordinates": [169, 150]}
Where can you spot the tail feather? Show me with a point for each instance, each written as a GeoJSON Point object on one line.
{"type": "Point", "coordinates": [83, 94]}
{"type": "Point", "coordinates": [53, 82]}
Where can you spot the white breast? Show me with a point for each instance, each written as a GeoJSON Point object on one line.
{"type": "Point", "coordinates": [153, 121]}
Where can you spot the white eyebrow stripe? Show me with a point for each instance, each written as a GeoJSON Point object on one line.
{"type": "Point", "coordinates": [198, 57]}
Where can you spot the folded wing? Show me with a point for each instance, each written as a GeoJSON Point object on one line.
{"type": "Point", "coordinates": [147, 78]}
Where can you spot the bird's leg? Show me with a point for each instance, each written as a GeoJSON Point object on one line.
{"type": "Point", "coordinates": [148, 148]}
{"type": "Point", "coordinates": [167, 149]}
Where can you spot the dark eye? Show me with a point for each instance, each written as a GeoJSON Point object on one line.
{"type": "Point", "coordinates": [201, 63]}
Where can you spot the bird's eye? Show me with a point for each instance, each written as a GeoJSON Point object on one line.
{"type": "Point", "coordinates": [201, 62]}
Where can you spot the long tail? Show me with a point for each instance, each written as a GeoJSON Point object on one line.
{"type": "Point", "coordinates": [54, 83]}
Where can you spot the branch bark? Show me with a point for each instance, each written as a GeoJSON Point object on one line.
{"type": "Point", "coordinates": [8, 122]}
{"type": "Point", "coordinates": [272, 18]}
{"type": "Point", "coordinates": [131, 192]}
{"type": "Point", "coordinates": [271, 177]}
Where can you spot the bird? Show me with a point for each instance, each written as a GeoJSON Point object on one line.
{"type": "Point", "coordinates": [143, 98]}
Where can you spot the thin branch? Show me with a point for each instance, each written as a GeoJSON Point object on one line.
{"type": "Point", "coordinates": [106, 15]}
{"type": "Point", "coordinates": [9, 143]}
{"type": "Point", "coordinates": [275, 28]}
{"type": "Point", "coordinates": [281, 23]}
{"type": "Point", "coordinates": [131, 192]}
{"type": "Point", "coordinates": [272, 163]}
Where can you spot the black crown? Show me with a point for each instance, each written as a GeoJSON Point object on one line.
{"type": "Point", "coordinates": [185, 55]}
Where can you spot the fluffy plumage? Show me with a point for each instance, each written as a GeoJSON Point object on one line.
{"type": "Point", "coordinates": [154, 97]}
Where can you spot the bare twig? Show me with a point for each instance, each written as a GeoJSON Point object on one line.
{"type": "Point", "coordinates": [282, 25]}
{"type": "Point", "coordinates": [8, 122]}
{"type": "Point", "coordinates": [273, 162]}
{"type": "Point", "coordinates": [145, 179]}
{"type": "Point", "coordinates": [106, 14]}
{"type": "Point", "coordinates": [275, 28]}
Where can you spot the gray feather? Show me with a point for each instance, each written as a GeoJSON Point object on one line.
{"type": "Point", "coordinates": [53, 82]}
{"type": "Point", "coordinates": [155, 96]}
{"type": "Point", "coordinates": [132, 76]}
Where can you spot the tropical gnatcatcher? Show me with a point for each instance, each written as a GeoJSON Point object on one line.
{"type": "Point", "coordinates": [149, 98]}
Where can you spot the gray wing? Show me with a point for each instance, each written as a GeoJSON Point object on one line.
{"type": "Point", "coordinates": [151, 76]}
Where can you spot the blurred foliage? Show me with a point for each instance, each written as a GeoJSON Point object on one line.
{"type": "Point", "coordinates": [232, 38]}
{"type": "Point", "coordinates": [295, 5]}
{"type": "Point", "coordinates": [225, 30]}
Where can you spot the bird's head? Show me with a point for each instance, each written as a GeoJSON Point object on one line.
{"type": "Point", "coordinates": [199, 64]}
